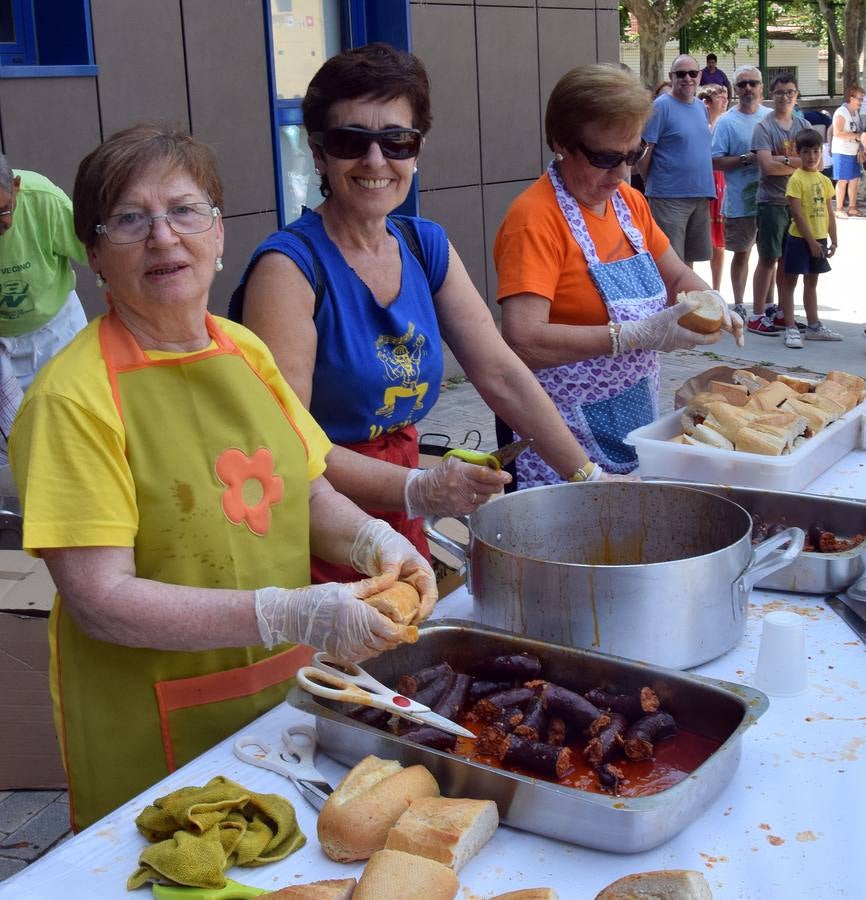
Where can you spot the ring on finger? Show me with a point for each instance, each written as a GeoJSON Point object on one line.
{"type": "Point", "coordinates": [474, 497]}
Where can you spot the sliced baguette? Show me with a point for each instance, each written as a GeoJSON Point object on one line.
{"type": "Point", "coordinates": [749, 380]}
{"type": "Point", "coordinates": [750, 440]}
{"type": "Point", "coordinates": [707, 317]}
{"type": "Point", "coordinates": [711, 437]}
{"type": "Point", "coordinates": [771, 397]}
{"type": "Point", "coordinates": [399, 603]}
{"type": "Point", "coordinates": [333, 889]}
{"type": "Point", "coordinates": [818, 419]}
{"type": "Point", "coordinates": [669, 884]}
{"type": "Point", "coordinates": [394, 875]}
{"type": "Point", "coordinates": [356, 818]}
{"type": "Point", "coordinates": [735, 394]}
{"type": "Point", "coordinates": [846, 379]}
{"type": "Point", "coordinates": [451, 831]}
{"type": "Point", "coordinates": [800, 385]}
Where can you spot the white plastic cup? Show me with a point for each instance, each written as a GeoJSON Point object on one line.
{"type": "Point", "coordinates": [781, 669]}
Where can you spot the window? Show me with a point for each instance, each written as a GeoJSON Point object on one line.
{"type": "Point", "coordinates": [45, 38]}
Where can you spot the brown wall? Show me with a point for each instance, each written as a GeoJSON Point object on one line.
{"type": "Point", "coordinates": [202, 64]}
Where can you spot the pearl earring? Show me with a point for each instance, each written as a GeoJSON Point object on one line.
{"type": "Point", "coordinates": [558, 157]}
{"type": "Point", "coordinates": [100, 281]}
{"type": "Point", "coordinates": [415, 170]}
{"type": "Point", "coordinates": [316, 170]}
{"type": "Point", "coordinates": [218, 264]}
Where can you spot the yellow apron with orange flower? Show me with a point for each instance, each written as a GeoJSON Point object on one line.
{"type": "Point", "coordinates": [223, 497]}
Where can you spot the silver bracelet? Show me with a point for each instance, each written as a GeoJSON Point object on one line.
{"type": "Point", "coordinates": [615, 348]}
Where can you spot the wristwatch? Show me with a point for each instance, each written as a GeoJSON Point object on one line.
{"type": "Point", "coordinates": [744, 159]}
{"type": "Point", "coordinates": [787, 161]}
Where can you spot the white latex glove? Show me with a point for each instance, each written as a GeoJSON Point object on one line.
{"type": "Point", "coordinates": [453, 488]}
{"type": "Point", "coordinates": [662, 331]}
{"type": "Point", "coordinates": [380, 551]}
{"type": "Point", "coordinates": [329, 617]}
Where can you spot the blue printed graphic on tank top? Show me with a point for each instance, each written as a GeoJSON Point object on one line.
{"type": "Point", "coordinates": [377, 370]}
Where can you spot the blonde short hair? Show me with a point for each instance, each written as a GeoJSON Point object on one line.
{"type": "Point", "coordinates": [591, 96]}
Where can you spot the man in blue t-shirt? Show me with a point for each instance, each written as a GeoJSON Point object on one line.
{"type": "Point", "coordinates": [733, 155]}
{"type": "Point", "coordinates": [678, 168]}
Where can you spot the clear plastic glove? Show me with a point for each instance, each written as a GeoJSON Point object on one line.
{"type": "Point", "coordinates": [329, 617]}
{"type": "Point", "coordinates": [731, 321]}
{"type": "Point", "coordinates": [662, 331]}
{"type": "Point", "coordinates": [380, 551]}
{"type": "Point", "coordinates": [453, 488]}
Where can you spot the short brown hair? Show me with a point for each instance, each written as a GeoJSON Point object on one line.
{"type": "Point", "coordinates": [852, 91]}
{"type": "Point", "coordinates": [808, 137]}
{"type": "Point", "coordinates": [374, 70]}
{"type": "Point", "coordinates": [591, 96]}
{"type": "Point", "coordinates": [706, 91]}
{"type": "Point", "coordinates": [104, 174]}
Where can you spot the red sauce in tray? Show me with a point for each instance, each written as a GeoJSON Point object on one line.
{"type": "Point", "coordinates": [675, 758]}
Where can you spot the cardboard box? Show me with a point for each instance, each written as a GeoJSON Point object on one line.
{"type": "Point", "coordinates": [29, 751]}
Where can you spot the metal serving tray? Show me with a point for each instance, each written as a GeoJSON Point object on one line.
{"type": "Point", "coordinates": [715, 709]}
{"type": "Point", "coordinates": [810, 573]}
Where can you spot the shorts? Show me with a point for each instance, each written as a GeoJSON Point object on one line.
{"type": "Point", "coordinates": [773, 221]}
{"type": "Point", "coordinates": [686, 222]}
{"type": "Point", "coordinates": [799, 259]}
{"type": "Point", "coordinates": [845, 168]}
{"type": "Point", "coordinates": [740, 234]}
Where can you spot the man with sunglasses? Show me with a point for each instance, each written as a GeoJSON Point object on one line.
{"type": "Point", "coordinates": [39, 309]}
{"type": "Point", "coordinates": [678, 168]}
{"type": "Point", "coordinates": [773, 141]}
{"type": "Point", "coordinates": [733, 155]}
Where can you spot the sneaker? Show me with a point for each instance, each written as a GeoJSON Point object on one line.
{"type": "Point", "coordinates": [740, 310]}
{"type": "Point", "coordinates": [820, 333]}
{"type": "Point", "coordinates": [793, 341]}
{"type": "Point", "coordinates": [779, 322]}
{"type": "Point", "coordinates": [762, 325]}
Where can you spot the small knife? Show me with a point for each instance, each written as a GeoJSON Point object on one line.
{"type": "Point", "coordinates": [849, 616]}
{"type": "Point", "coordinates": [495, 459]}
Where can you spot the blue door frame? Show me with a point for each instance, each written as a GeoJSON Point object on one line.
{"type": "Point", "coordinates": [362, 21]}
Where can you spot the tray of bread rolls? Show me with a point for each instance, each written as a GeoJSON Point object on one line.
{"type": "Point", "coordinates": [562, 778]}
{"type": "Point", "coordinates": [753, 431]}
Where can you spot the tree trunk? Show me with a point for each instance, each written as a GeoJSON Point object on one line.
{"type": "Point", "coordinates": [855, 13]}
{"type": "Point", "coordinates": [652, 58]}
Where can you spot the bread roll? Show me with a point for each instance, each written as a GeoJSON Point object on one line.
{"type": "Point", "coordinates": [824, 401]}
{"type": "Point", "coordinates": [750, 380]}
{"type": "Point", "coordinates": [333, 889]}
{"type": "Point", "coordinates": [667, 884]}
{"type": "Point", "coordinates": [356, 818]}
{"type": "Point", "coordinates": [699, 407]}
{"type": "Point", "coordinates": [708, 317]}
{"type": "Point", "coordinates": [771, 397]}
{"type": "Point", "coordinates": [449, 831]}
{"type": "Point", "coordinates": [750, 440]}
{"type": "Point", "coordinates": [394, 875]}
{"type": "Point", "coordinates": [529, 894]}
{"type": "Point", "coordinates": [800, 385]}
{"type": "Point", "coordinates": [728, 420]}
{"type": "Point", "coordinates": [735, 394]}
{"type": "Point", "coordinates": [818, 419]}
{"type": "Point", "coordinates": [846, 379]}
{"type": "Point", "coordinates": [399, 602]}
{"type": "Point", "coordinates": [846, 397]}
{"type": "Point", "coordinates": [711, 437]}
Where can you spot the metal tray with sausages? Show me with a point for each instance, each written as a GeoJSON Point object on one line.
{"type": "Point", "coordinates": [715, 710]}
{"type": "Point", "coordinates": [810, 572]}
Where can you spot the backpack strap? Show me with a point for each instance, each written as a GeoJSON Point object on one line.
{"type": "Point", "coordinates": [411, 239]}
{"type": "Point", "coordinates": [236, 303]}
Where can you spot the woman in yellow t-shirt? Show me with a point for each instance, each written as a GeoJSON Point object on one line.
{"type": "Point", "coordinates": [167, 472]}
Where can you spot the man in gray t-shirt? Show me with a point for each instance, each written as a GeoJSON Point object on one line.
{"type": "Point", "coordinates": [773, 143]}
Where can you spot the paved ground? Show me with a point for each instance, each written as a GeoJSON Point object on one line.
{"type": "Point", "coordinates": [31, 822]}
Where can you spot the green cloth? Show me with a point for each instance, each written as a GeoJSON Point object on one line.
{"type": "Point", "coordinates": [35, 274]}
{"type": "Point", "coordinates": [196, 833]}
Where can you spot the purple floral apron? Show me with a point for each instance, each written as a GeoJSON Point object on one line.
{"type": "Point", "coordinates": [603, 399]}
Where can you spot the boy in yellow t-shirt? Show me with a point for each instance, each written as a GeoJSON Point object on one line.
{"type": "Point", "coordinates": [806, 251]}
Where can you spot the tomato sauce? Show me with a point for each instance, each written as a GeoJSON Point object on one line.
{"type": "Point", "coordinates": [675, 758]}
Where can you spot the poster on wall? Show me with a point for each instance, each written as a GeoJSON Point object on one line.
{"type": "Point", "coordinates": [300, 42]}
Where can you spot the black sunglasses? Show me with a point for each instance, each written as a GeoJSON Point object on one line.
{"type": "Point", "coordinates": [748, 82]}
{"type": "Point", "coordinates": [351, 142]}
{"type": "Point", "coordinates": [606, 159]}
{"type": "Point", "coordinates": [681, 73]}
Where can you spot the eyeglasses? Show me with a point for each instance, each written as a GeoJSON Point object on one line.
{"type": "Point", "coordinates": [747, 82]}
{"type": "Point", "coordinates": [351, 142]}
{"type": "Point", "coordinates": [681, 73]}
{"type": "Point", "coordinates": [131, 227]}
{"type": "Point", "coordinates": [606, 159]}
{"type": "Point", "coordinates": [785, 93]}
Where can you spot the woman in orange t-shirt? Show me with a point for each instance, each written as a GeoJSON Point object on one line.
{"type": "Point", "coordinates": [587, 280]}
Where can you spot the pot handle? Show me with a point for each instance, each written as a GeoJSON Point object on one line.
{"type": "Point", "coordinates": [763, 563]}
{"type": "Point", "coordinates": [446, 543]}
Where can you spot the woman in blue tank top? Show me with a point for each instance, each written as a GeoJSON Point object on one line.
{"type": "Point", "coordinates": [354, 303]}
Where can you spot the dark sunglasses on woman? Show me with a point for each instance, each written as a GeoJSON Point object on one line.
{"type": "Point", "coordinates": [606, 159]}
{"type": "Point", "coordinates": [352, 142]}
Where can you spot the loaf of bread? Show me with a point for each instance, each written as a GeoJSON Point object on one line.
{"type": "Point", "coordinates": [399, 603]}
{"type": "Point", "coordinates": [356, 818]}
{"type": "Point", "coordinates": [394, 875]}
{"type": "Point", "coordinates": [667, 884]}
{"type": "Point", "coordinates": [333, 889]}
{"type": "Point", "coordinates": [709, 315]}
{"type": "Point", "coordinates": [528, 894]}
{"type": "Point", "coordinates": [449, 831]}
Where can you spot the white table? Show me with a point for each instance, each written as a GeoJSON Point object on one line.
{"type": "Point", "coordinates": [790, 824]}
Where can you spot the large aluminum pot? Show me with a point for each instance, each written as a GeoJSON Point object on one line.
{"type": "Point", "coordinates": [647, 571]}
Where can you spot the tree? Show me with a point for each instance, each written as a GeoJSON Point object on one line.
{"type": "Point", "coordinates": [848, 43]}
{"type": "Point", "coordinates": [719, 24]}
{"type": "Point", "coordinates": [658, 21]}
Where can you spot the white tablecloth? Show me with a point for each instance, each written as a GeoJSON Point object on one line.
{"type": "Point", "coordinates": [790, 824]}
